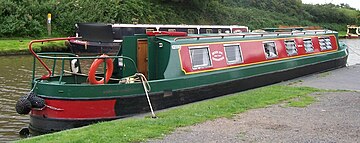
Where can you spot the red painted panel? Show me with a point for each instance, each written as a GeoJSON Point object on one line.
{"type": "Point", "coordinates": [217, 55]}
{"type": "Point", "coordinates": [185, 58]}
{"type": "Point", "coordinates": [300, 46]}
{"type": "Point", "coordinates": [84, 109]}
{"type": "Point", "coordinates": [315, 41]}
{"type": "Point", "coordinates": [281, 49]}
{"type": "Point", "coordinates": [252, 52]}
{"type": "Point", "coordinates": [333, 41]}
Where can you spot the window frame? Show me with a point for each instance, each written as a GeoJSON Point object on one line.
{"type": "Point", "coordinates": [240, 52]}
{"type": "Point", "coordinates": [291, 40]}
{"type": "Point", "coordinates": [209, 31]}
{"type": "Point", "coordinates": [266, 55]}
{"type": "Point", "coordinates": [190, 31]}
{"type": "Point", "coordinates": [196, 67]}
{"type": "Point", "coordinates": [150, 30]}
{"type": "Point", "coordinates": [312, 44]}
{"type": "Point", "coordinates": [324, 38]}
{"type": "Point", "coordinates": [171, 30]}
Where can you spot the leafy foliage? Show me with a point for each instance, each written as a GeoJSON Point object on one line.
{"type": "Point", "coordinates": [23, 18]}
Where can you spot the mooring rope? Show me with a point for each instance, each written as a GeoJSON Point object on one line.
{"type": "Point", "coordinates": [33, 87]}
{"type": "Point", "coordinates": [45, 105]}
{"type": "Point", "coordinates": [147, 89]}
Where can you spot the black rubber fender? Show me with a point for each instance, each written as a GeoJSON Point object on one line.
{"type": "Point", "coordinates": [36, 102]}
{"type": "Point", "coordinates": [23, 105]}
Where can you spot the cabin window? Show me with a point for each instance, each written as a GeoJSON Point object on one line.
{"type": "Point", "coordinates": [352, 30]}
{"type": "Point", "coordinates": [149, 30]}
{"type": "Point", "coordinates": [270, 50]}
{"type": "Point", "coordinates": [208, 31]}
{"type": "Point", "coordinates": [325, 43]}
{"type": "Point", "coordinates": [200, 57]}
{"type": "Point", "coordinates": [308, 45]}
{"type": "Point", "coordinates": [171, 30]}
{"type": "Point", "coordinates": [233, 54]}
{"type": "Point", "coordinates": [291, 47]}
{"type": "Point", "coordinates": [191, 31]}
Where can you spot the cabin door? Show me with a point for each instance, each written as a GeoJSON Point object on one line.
{"type": "Point", "coordinates": [142, 56]}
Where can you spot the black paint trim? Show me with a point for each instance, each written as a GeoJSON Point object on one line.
{"type": "Point", "coordinates": [94, 47]}
{"type": "Point", "coordinates": [42, 125]}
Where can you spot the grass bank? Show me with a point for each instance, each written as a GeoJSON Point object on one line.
{"type": "Point", "coordinates": [342, 34]}
{"type": "Point", "coordinates": [20, 46]}
{"type": "Point", "coordinates": [141, 129]}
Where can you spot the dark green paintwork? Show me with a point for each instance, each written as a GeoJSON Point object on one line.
{"type": "Point", "coordinates": [129, 47]}
{"type": "Point", "coordinates": [158, 58]}
{"type": "Point", "coordinates": [165, 72]}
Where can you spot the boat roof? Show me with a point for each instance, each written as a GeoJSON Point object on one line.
{"type": "Point", "coordinates": [222, 37]}
{"type": "Point", "coordinates": [290, 29]}
{"type": "Point", "coordinates": [178, 26]}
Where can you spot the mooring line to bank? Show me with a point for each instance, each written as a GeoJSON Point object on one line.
{"type": "Point", "coordinates": [147, 89]}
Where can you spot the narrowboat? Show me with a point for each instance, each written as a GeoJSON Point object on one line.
{"type": "Point", "coordinates": [158, 70]}
{"type": "Point", "coordinates": [353, 31]}
{"type": "Point", "coordinates": [108, 37]}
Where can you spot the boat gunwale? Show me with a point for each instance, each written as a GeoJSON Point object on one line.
{"type": "Point", "coordinates": [166, 80]}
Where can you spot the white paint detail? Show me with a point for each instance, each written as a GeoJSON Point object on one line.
{"type": "Point", "coordinates": [217, 56]}
{"type": "Point", "coordinates": [175, 47]}
{"type": "Point", "coordinates": [74, 68]}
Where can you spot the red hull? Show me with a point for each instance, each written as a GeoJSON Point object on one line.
{"type": "Point", "coordinates": [77, 109]}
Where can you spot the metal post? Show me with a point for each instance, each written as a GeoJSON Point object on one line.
{"type": "Point", "coordinates": [33, 73]}
{"type": "Point", "coordinates": [104, 70]}
{"type": "Point", "coordinates": [54, 65]}
{"type": "Point", "coordinates": [62, 70]}
{"type": "Point", "coordinates": [49, 23]}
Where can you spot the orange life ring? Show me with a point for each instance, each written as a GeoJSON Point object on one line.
{"type": "Point", "coordinates": [95, 65]}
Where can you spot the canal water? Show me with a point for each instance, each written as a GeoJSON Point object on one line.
{"type": "Point", "coordinates": [16, 74]}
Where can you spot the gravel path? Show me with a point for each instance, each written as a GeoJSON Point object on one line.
{"type": "Point", "coordinates": [347, 78]}
{"type": "Point", "coordinates": [335, 117]}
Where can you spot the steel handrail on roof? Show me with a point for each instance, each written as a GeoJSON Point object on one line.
{"type": "Point", "coordinates": [38, 58]}
{"type": "Point", "coordinates": [71, 56]}
{"type": "Point", "coordinates": [61, 56]}
{"type": "Point", "coordinates": [254, 34]}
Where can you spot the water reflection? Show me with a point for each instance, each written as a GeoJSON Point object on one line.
{"type": "Point", "coordinates": [15, 81]}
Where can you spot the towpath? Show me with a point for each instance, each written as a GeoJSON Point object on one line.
{"type": "Point", "coordinates": [334, 117]}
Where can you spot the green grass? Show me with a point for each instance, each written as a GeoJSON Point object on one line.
{"type": "Point", "coordinates": [20, 46]}
{"type": "Point", "coordinates": [141, 129]}
{"type": "Point", "coordinates": [302, 101]}
{"type": "Point", "coordinates": [342, 33]}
